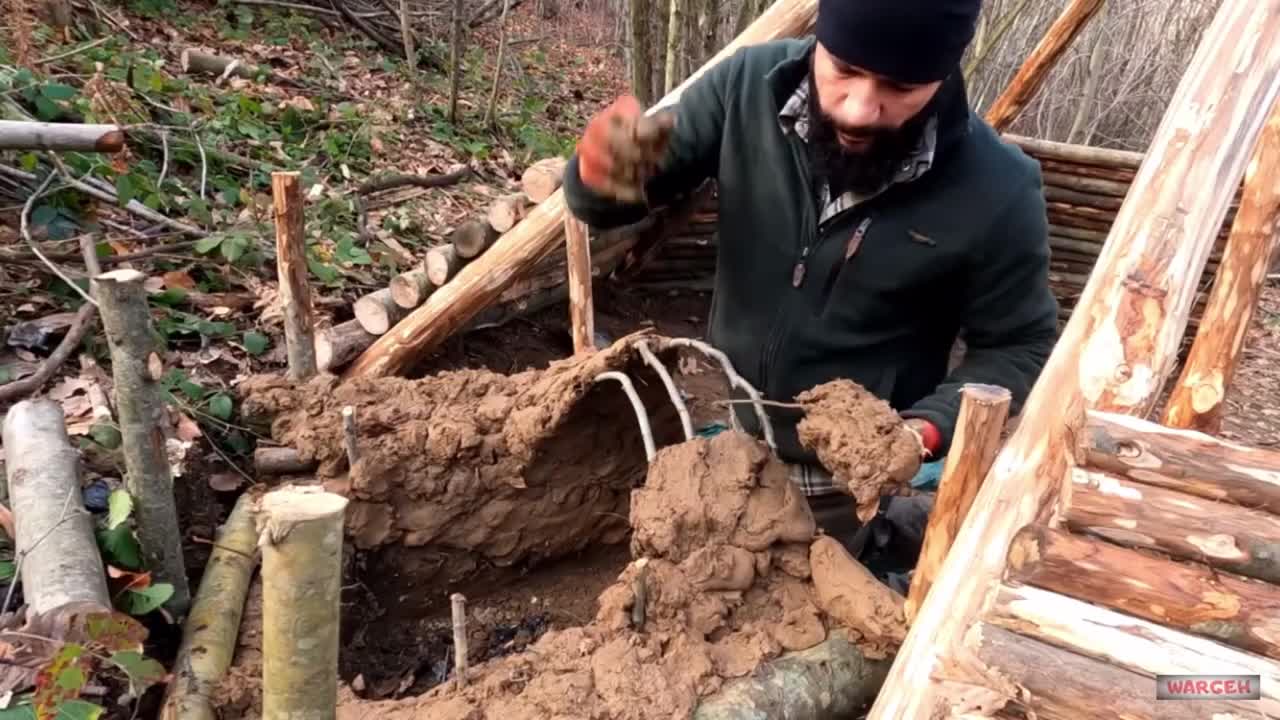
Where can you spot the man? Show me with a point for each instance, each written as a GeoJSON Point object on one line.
{"type": "Point", "coordinates": [867, 217]}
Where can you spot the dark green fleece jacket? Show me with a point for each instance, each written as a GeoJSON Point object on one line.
{"type": "Point", "coordinates": [963, 248]}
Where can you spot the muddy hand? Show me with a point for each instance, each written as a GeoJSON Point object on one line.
{"type": "Point", "coordinates": [621, 149]}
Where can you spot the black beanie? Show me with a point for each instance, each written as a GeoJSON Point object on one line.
{"type": "Point", "coordinates": [910, 41]}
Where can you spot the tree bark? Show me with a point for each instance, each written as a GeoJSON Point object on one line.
{"type": "Point", "coordinates": [1228, 537]}
{"type": "Point", "coordinates": [1237, 611]}
{"type": "Point", "coordinates": [60, 137]}
{"type": "Point", "coordinates": [442, 264]}
{"type": "Point", "coordinates": [1117, 350]}
{"type": "Point", "coordinates": [377, 312]}
{"type": "Point", "coordinates": [122, 300]}
{"type": "Point", "coordinates": [1059, 685]}
{"type": "Point", "coordinates": [983, 412]}
{"type": "Point", "coordinates": [1183, 460]}
{"type": "Point", "coordinates": [53, 535]}
{"type": "Point", "coordinates": [1198, 397]}
{"type": "Point", "coordinates": [195, 61]}
{"type": "Point", "coordinates": [675, 40]}
{"type": "Point", "coordinates": [210, 634]}
{"type": "Point", "coordinates": [1125, 641]}
{"type": "Point", "coordinates": [291, 267]}
{"type": "Point", "coordinates": [491, 115]}
{"type": "Point", "coordinates": [340, 344]}
{"type": "Point", "coordinates": [507, 211]}
{"type": "Point", "coordinates": [581, 310]}
{"type": "Point", "coordinates": [641, 53]}
{"type": "Point", "coordinates": [472, 238]}
{"type": "Point", "coordinates": [1033, 72]}
{"type": "Point", "coordinates": [483, 281]}
{"type": "Point", "coordinates": [280, 461]}
{"type": "Point", "coordinates": [829, 681]}
{"type": "Point", "coordinates": [410, 289]}
{"type": "Point", "coordinates": [455, 62]}
{"type": "Point", "coordinates": [302, 533]}
{"type": "Point", "coordinates": [543, 178]}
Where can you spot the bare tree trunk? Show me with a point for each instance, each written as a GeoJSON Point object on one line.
{"type": "Point", "coordinates": [675, 41]}
{"type": "Point", "coordinates": [455, 62]}
{"type": "Point", "coordinates": [491, 116]}
{"type": "Point", "coordinates": [406, 34]}
{"type": "Point", "coordinates": [641, 53]}
{"type": "Point", "coordinates": [1093, 81]}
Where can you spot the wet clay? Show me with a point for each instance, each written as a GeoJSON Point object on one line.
{"type": "Point", "coordinates": [855, 599]}
{"type": "Point", "coordinates": [860, 440]}
{"type": "Point", "coordinates": [471, 468]}
{"type": "Point", "coordinates": [721, 583]}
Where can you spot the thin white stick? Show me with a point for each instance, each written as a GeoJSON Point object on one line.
{"type": "Point", "coordinates": [25, 229]}
{"type": "Point", "coordinates": [685, 421]}
{"type": "Point", "coordinates": [642, 416]}
{"type": "Point", "coordinates": [459, 606]}
{"type": "Point", "coordinates": [735, 380]}
{"type": "Point", "coordinates": [204, 162]}
{"type": "Point", "coordinates": [164, 164]}
{"type": "Point", "coordinates": [349, 433]}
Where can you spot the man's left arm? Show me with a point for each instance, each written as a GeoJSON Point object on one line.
{"type": "Point", "coordinates": [1010, 317]}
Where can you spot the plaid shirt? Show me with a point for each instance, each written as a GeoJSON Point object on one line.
{"type": "Point", "coordinates": [814, 479]}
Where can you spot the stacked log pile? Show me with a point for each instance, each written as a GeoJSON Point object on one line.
{"type": "Point", "coordinates": [1083, 187]}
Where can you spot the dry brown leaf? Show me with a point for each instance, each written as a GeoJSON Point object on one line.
{"type": "Point", "coordinates": [179, 279]}
{"type": "Point", "coordinates": [153, 284]}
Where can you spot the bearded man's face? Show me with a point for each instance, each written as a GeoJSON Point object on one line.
{"type": "Point", "coordinates": [862, 125]}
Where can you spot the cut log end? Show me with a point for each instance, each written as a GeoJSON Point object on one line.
{"type": "Point", "coordinates": [442, 264]}
{"type": "Point", "coordinates": [472, 238]}
{"type": "Point", "coordinates": [291, 505]}
{"type": "Point", "coordinates": [410, 289]}
{"type": "Point", "coordinates": [123, 275]}
{"type": "Point", "coordinates": [377, 312]}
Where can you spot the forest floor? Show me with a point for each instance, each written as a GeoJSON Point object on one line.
{"type": "Point", "coordinates": [341, 113]}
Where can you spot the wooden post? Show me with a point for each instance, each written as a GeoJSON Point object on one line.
{"type": "Point", "coordinates": [301, 531]}
{"type": "Point", "coordinates": [458, 607]}
{"type": "Point", "coordinates": [984, 409]}
{"type": "Point", "coordinates": [483, 281]}
{"type": "Point", "coordinates": [291, 266]}
{"type": "Point", "coordinates": [581, 312]}
{"type": "Point", "coordinates": [60, 561]}
{"type": "Point", "coordinates": [1117, 349]}
{"type": "Point", "coordinates": [122, 302]}
{"type": "Point", "coordinates": [350, 435]}
{"type": "Point", "coordinates": [1197, 398]}
{"type": "Point", "coordinates": [210, 634]}
{"type": "Point", "coordinates": [1031, 75]}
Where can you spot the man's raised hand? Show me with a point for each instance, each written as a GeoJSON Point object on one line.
{"type": "Point", "coordinates": [621, 148]}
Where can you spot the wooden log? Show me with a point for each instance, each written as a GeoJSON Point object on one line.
{"type": "Point", "coordinates": [60, 137]}
{"type": "Point", "coordinates": [1030, 77]}
{"type": "Point", "coordinates": [53, 535]}
{"type": "Point", "coordinates": [1056, 684]}
{"type": "Point", "coordinates": [197, 61]}
{"type": "Point", "coordinates": [126, 318]}
{"type": "Point", "coordinates": [984, 409]}
{"type": "Point", "coordinates": [410, 289]}
{"type": "Point", "coordinates": [1118, 175]}
{"type": "Point", "coordinates": [442, 264]}
{"type": "Point", "coordinates": [581, 313]}
{"type": "Point", "coordinates": [543, 178]}
{"type": "Point", "coordinates": [1125, 641]}
{"type": "Point", "coordinates": [1192, 597]}
{"type": "Point", "coordinates": [1085, 183]}
{"type": "Point", "coordinates": [1197, 399]}
{"type": "Point", "coordinates": [1183, 460]}
{"type": "Point", "coordinates": [338, 345]}
{"type": "Point", "coordinates": [291, 268]}
{"type": "Point", "coordinates": [828, 681]}
{"type": "Point", "coordinates": [1118, 348]}
{"type": "Point", "coordinates": [472, 238]}
{"type": "Point", "coordinates": [482, 281]}
{"type": "Point", "coordinates": [1077, 154]}
{"type": "Point", "coordinates": [1229, 537]}
{"type": "Point", "coordinates": [210, 633]}
{"type": "Point", "coordinates": [377, 312]}
{"type": "Point", "coordinates": [1078, 198]}
{"type": "Point", "coordinates": [507, 211]}
{"type": "Point", "coordinates": [280, 461]}
{"type": "Point", "coordinates": [302, 533]}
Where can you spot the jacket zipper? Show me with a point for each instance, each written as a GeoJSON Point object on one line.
{"type": "Point", "coordinates": [798, 271]}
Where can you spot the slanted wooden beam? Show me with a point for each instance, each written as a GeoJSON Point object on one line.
{"type": "Point", "coordinates": [1117, 349]}
{"type": "Point", "coordinates": [482, 281]}
{"type": "Point", "coordinates": [1033, 72]}
{"type": "Point", "coordinates": [1198, 397]}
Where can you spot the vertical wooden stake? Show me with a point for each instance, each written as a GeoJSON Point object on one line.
{"type": "Point", "coordinates": [300, 531]}
{"type": "Point", "coordinates": [581, 312]}
{"type": "Point", "coordinates": [459, 607]}
{"type": "Point", "coordinates": [122, 301]}
{"type": "Point", "coordinates": [291, 266]}
{"type": "Point", "coordinates": [349, 434]}
{"type": "Point", "coordinates": [983, 412]}
{"type": "Point", "coordinates": [1197, 399]}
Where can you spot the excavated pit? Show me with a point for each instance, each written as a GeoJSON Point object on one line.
{"type": "Point", "coordinates": [518, 491]}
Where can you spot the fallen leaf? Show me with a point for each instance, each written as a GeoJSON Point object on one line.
{"type": "Point", "coordinates": [187, 429]}
{"type": "Point", "coordinates": [179, 279]}
{"type": "Point", "coordinates": [226, 482]}
{"type": "Point", "coordinates": [153, 284]}
{"type": "Point", "coordinates": [69, 387]}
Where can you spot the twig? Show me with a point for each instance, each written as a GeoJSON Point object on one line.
{"type": "Point", "coordinates": [204, 163]}
{"type": "Point", "coordinates": [642, 416]}
{"type": "Point", "coordinates": [490, 118]}
{"type": "Point", "coordinates": [25, 229]}
{"type": "Point", "coordinates": [134, 206]}
{"type": "Point", "coordinates": [74, 51]}
{"type": "Point", "coordinates": [213, 543]}
{"type": "Point", "coordinates": [735, 380]}
{"type": "Point", "coordinates": [685, 421]}
{"type": "Point", "coordinates": [89, 249]}
{"type": "Point", "coordinates": [164, 163]}
{"type": "Point", "coordinates": [349, 435]}
{"type": "Point", "coordinates": [395, 180]}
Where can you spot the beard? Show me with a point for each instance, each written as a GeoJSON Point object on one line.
{"type": "Point", "coordinates": [862, 171]}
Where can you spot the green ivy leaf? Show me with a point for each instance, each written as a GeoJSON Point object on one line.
{"type": "Point", "coordinates": [106, 435]}
{"type": "Point", "coordinates": [126, 189]}
{"type": "Point", "coordinates": [58, 91]}
{"type": "Point", "coordinates": [115, 631]}
{"type": "Point", "coordinates": [119, 505]}
{"type": "Point", "coordinates": [220, 406]}
{"type": "Point", "coordinates": [255, 343]}
{"type": "Point", "coordinates": [18, 712]}
{"type": "Point", "coordinates": [79, 710]}
{"type": "Point", "coordinates": [60, 681]}
{"type": "Point", "coordinates": [205, 245]}
{"type": "Point", "coordinates": [234, 247]}
{"type": "Point", "coordinates": [7, 570]}
{"type": "Point", "coordinates": [143, 672]}
{"type": "Point", "coordinates": [141, 602]}
{"type": "Point", "coordinates": [30, 161]}
{"type": "Point", "coordinates": [170, 296]}
{"type": "Point", "coordinates": [120, 547]}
